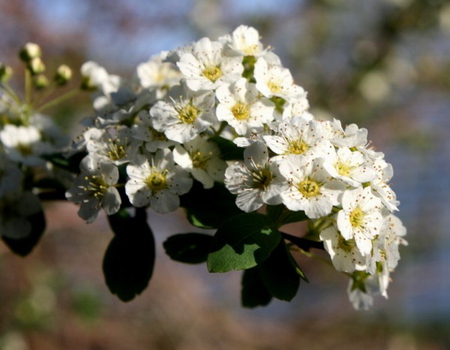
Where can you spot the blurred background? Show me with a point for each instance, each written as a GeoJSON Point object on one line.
{"type": "Point", "coordinates": [383, 64]}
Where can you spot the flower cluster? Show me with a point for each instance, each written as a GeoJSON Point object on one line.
{"type": "Point", "coordinates": [27, 137]}
{"type": "Point", "coordinates": [155, 135]}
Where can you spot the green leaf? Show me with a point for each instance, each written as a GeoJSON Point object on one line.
{"type": "Point", "coordinates": [283, 216]}
{"type": "Point", "coordinates": [130, 257]}
{"type": "Point", "coordinates": [242, 242]}
{"type": "Point", "coordinates": [279, 275]}
{"type": "Point", "coordinates": [24, 246]}
{"type": "Point", "coordinates": [191, 248]}
{"type": "Point", "coordinates": [254, 293]}
{"type": "Point", "coordinates": [228, 149]}
{"type": "Point", "coordinates": [71, 164]}
{"type": "Point", "coordinates": [209, 208]}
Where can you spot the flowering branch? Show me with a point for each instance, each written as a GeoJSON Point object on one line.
{"type": "Point", "coordinates": [220, 129]}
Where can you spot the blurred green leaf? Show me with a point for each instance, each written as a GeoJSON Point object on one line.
{"type": "Point", "coordinates": [279, 275]}
{"type": "Point", "coordinates": [130, 257]}
{"type": "Point", "coordinates": [24, 246]}
{"type": "Point", "coordinates": [191, 248]}
{"type": "Point", "coordinates": [228, 149]}
{"type": "Point", "coordinates": [254, 292]}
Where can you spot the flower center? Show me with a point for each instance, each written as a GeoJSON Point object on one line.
{"type": "Point", "coordinates": [96, 185]}
{"type": "Point", "coordinates": [343, 169]}
{"type": "Point", "coordinates": [262, 177]}
{"type": "Point", "coordinates": [297, 147]}
{"type": "Point", "coordinates": [200, 160]}
{"type": "Point", "coordinates": [157, 135]}
{"type": "Point", "coordinates": [24, 149]}
{"type": "Point", "coordinates": [188, 114]}
{"type": "Point", "coordinates": [212, 73]}
{"type": "Point", "coordinates": [274, 86]}
{"type": "Point", "coordinates": [241, 111]}
{"type": "Point", "coordinates": [309, 188]}
{"type": "Point", "coordinates": [157, 181]}
{"type": "Point", "coordinates": [346, 245]}
{"type": "Point", "coordinates": [116, 149]}
{"type": "Point", "coordinates": [357, 217]}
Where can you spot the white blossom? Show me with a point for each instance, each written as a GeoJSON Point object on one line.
{"type": "Point", "coordinates": [311, 188]}
{"type": "Point", "coordinates": [274, 80]}
{"type": "Point", "coordinates": [242, 108]}
{"type": "Point", "coordinates": [360, 218]}
{"type": "Point", "coordinates": [256, 181]}
{"type": "Point", "coordinates": [202, 159]}
{"type": "Point", "coordinates": [156, 181]}
{"type": "Point", "coordinates": [185, 116]}
{"type": "Point", "coordinates": [94, 189]}
{"type": "Point", "coordinates": [344, 253]}
{"type": "Point", "coordinates": [206, 68]}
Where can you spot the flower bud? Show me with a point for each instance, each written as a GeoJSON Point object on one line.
{"type": "Point", "coordinates": [30, 51]}
{"type": "Point", "coordinates": [40, 81]}
{"type": "Point", "coordinates": [36, 66]}
{"type": "Point", "coordinates": [63, 74]}
{"type": "Point", "coordinates": [5, 72]}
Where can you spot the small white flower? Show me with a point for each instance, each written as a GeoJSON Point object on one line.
{"type": "Point", "coordinates": [94, 188]}
{"type": "Point", "coordinates": [114, 145]}
{"type": "Point", "coordinates": [143, 130]}
{"type": "Point", "coordinates": [274, 80]}
{"type": "Point", "coordinates": [242, 108]}
{"type": "Point", "coordinates": [299, 135]}
{"type": "Point", "coordinates": [344, 253]}
{"type": "Point", "coordinates": [256, 181]}
{"type": "Point", "coordinates": [352, 136]}
{"type": "Point", "coordinates": [202, 159]}
{"type": "Point", "coordinates": [360, 218]}
{"type": "Point", "coordinates": [384, 173]}
{"type": "Point", "coordinates": [157, 182]}
{"type": "Point", "coordinates": [159, 75]}
{"type": "Point", "coordinates": [205, 68]}
{"type": "Point", "coordinates": [311, 187]}
{"type": "Point", "coordinates": [24, 144]}
{"type": "Point", "coordinates": [185, 116]}
{"type": "Point", "coordinates": [352, 167]}
{"type": "Point", "coordinates": [244, 41]}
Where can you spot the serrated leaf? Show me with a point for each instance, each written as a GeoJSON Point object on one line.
{"type": "Point", "coordinates": [24, 246]}
{"type": "Point", "coordinates": [209, 208]}
{"type": "Point", "coordinates": [191, 248]}
{"type": "Point", "coordinates": [130, 257]}
{"type": "Point", "coordinates": [279, 275]}
{"type": "Point", "coordinates": [242, 242]}
{"type": "Point", "coordinates": [254, 293]}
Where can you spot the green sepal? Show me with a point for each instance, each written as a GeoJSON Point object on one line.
{"type": "Point", "coordinates": [254, 292]}
{"type": "Point", "coordinates": [190, 248]}
{"type": "Point", "coordinates": [228, 149]}
{"type": "Point", "coordinates": [130, 257]}
{"type": "Point", "coordinates": [209, 208]}
{"type": "Point", "coordinates": [242, 242]}
{"type": "Point", "coordinates": [24, 246]}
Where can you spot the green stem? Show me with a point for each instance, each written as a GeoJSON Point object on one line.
{"type": "Point", "coordinates": [58, 100]}
{"type": "Point", "coordinates": [10, 92]}
{"type": "Point", "coordinates": [27, 87]}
